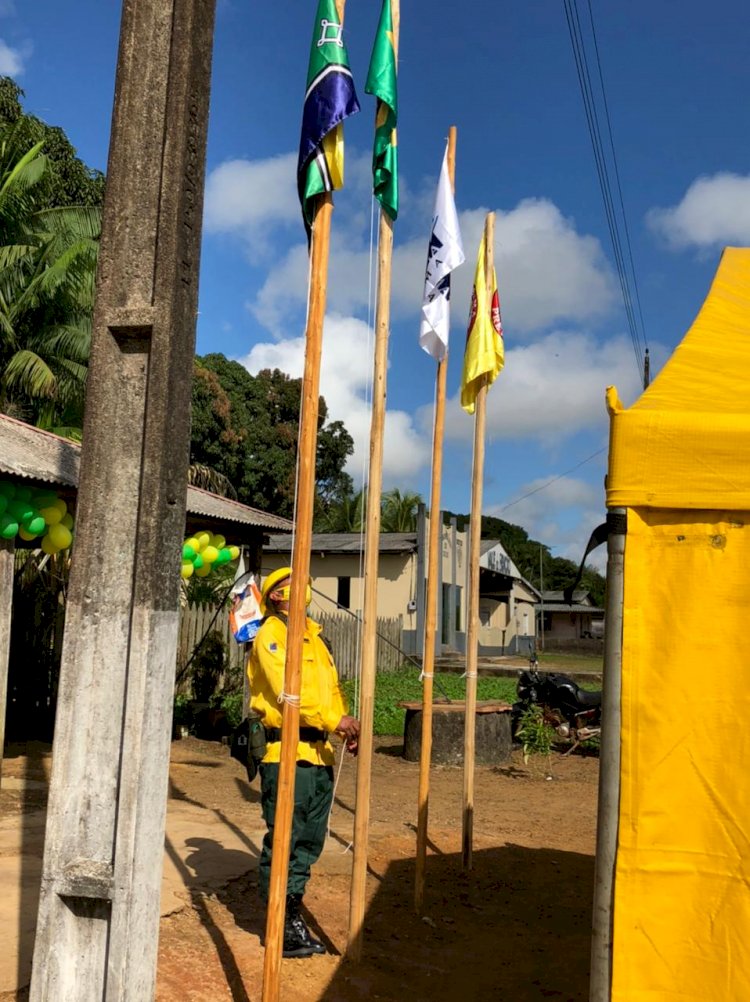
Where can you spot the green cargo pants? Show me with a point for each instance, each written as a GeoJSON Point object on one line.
{"type": "Point", "coordinates": [313, 793]}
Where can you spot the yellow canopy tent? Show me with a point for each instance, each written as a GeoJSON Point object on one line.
{"type": "Point", "coordinates": [680, 464]}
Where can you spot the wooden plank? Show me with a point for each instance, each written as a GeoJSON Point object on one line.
{"type": "Point", "coordinates": [482, 706]}
{"type": "Point", "coordinates": [7, 562]}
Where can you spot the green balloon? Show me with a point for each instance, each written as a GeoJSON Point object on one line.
{"type": "Point", "coordinates": [23, 493]}
{"type": "Point", "coordinates": [198, 562]}
{"type": "Point", "coordinates": [224, 556]}
{"type": "Point", "coordinates": [7, 489]}
{"type": "Point", "coordinates": [3, 504]}
{"type": "Point", "coordinates": [8, 527]}
{"type": "Point", "coordinates": [35, 525]}
{"type": "Point", "coordinates": [188, 553]}
{"type": "Point", "coordinates": [21, 510]}
{"type": "Point", "coordinates": [43, 499]}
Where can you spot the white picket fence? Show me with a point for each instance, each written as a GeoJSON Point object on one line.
{"type": "Point", "coordinates": [340, 630]}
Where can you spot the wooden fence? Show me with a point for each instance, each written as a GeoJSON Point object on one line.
{"type": "Point", "coordinates": [341, 631]}
{"type": "Point", "coordinates": [343, 634]}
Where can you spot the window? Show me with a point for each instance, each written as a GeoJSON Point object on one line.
{"type": "Point", "coordinates": [344, 592]}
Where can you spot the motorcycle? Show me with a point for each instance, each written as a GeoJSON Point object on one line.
{"type": "Point", "coordinates": [573, 713]}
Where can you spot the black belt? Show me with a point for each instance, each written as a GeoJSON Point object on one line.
{"type": "Point", "coordinates": [305, 734]}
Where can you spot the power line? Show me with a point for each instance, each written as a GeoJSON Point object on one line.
{"type": "Point", "coordinates": [631, 300]}
{"type": "Point", "coordinates": [543, 487]}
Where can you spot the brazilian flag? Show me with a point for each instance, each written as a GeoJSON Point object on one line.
{"type": "Point", "coordinates": [381, 82]}
{"type": "Point", "coordinates": [329, 99]}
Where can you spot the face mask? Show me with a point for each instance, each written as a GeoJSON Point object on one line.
{"type": "Point", "coordinates": [285, 592]}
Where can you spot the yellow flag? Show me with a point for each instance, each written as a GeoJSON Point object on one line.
{"type": "Point", "coordinates": [485, 353]}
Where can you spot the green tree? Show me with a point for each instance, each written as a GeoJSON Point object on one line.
{"type": "Point", "coordinates": [47, 269]}
{"type": "Point", "coordinates": [345, 515]}
{"type": "Point", "coordinates": [399, 511]}
{"type": "Point", "coordinates": [246, 428]}
{"type": "Point", "coordinates": [69, 181]}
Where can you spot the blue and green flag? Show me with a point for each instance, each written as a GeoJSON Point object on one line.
{"type": "Point", "coordinates": [381, 82]}
{"type": "Point", "coordinates": [329, 99]}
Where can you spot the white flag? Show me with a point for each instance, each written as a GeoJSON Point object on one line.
{"type": "Point", "coordinates": [444, 253]}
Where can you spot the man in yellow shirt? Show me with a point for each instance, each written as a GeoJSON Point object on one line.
{"type": "Point", "coordinates": [323, 711]}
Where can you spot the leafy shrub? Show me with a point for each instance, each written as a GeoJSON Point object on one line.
{"type": "Point", "coordinates": [534, 733]}
{"type": "Point", "coordinates": [207, 667]}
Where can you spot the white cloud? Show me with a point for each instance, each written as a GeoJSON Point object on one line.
{"type": "Point", "coordinates": [714, 211]}
{"type": "Point", "coordinates": [12, 61]}
{"type": "Point", "coordinates": [346, 374]}
{"type": "Point", "coordinates": [546, 272]}
{"type": "Point", "coordinates": [562, 515]}
{"type": "Point", "coordinates": [248, 196]}
{"type": "Point", "coordinates": [552, 389]}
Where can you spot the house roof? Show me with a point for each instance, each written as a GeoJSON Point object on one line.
{"type": "Point", "coordinates": [564, 607]}
{"type": "Point", "coordinates": [40, 456]}
{"type": "Point", "coordinates": [347, 542]}
{"type": "Point", "coordinates": [579, 597]}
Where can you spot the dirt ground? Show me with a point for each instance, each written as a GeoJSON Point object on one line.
{"type": "Point", "coordinates": [516, 928]}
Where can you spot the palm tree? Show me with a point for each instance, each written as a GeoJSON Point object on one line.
{"type": "Point", "coordinates": [399, 511]}
{"type": "Point", "coordinates": [346, 515]}
{"type": "Point", "coordinates": [47, 278]}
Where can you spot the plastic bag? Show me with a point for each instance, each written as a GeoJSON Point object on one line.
{"type": "Point", "coordinates": [245, 616]}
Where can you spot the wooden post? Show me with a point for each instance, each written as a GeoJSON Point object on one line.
{"type": "Point", "coordinates": [306, 454]}
{"type": "Point", "coordinates": [7, 562]}
{"type": "Point", "coordinates": [433, 556]}
{"type": "Point", "coordinates": [98, 923]}
{"type": "Point", "coordinates": [608, 815]}
{"type": "Point", "coordinates": [475, 536]}
{"type": "Point", "coordinates": [368, 663]}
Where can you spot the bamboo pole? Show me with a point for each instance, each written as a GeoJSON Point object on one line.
{"type": "Point", "coordinates": [609, 764]}
{"type": "Point", "coordinates": [321, 232]}
{"type": "Point", "coordinates": [433, 551]}
{"type": "Point", "coordinates": [475, 535]}
{"type": "Point", "coordinates": [368, 665]}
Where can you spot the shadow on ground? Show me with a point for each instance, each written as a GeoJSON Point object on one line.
{"type": "Point", "coordinates": [516, 928]}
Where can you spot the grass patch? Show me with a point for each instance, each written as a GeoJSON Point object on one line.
{"type": "Point", "coordinates": [394, 687]}
{"type": "Point", "coordinates": [571, 662]}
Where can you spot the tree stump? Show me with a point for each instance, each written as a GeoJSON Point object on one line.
{"type": "Point", "coordinates": [493, 737]}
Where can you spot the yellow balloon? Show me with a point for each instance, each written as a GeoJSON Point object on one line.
{"type": "Point", "coordinates": [209, 554]}
{"type": "Point", "coordinates": [60, 505]}
{"type": "Point", "coordinates": [203, 538]}
{"type": "Point", "coordinates": [60, 536]}
{"type": "Point", "coordinates": [67, 521]}
{"type": "Point", "coordinates": [51, 515]}
{"type": "Point", "coordinates": [193, 543]}
{"type": "Point", "coordinates": [219, 542]}
{"type": "Point", "coordinates": [28, 536]}
{"type": "Point", "coordinates": [203, 571]}
{"type": "Point", "coordinates": [187, 569]}
{"type": "Point", "coordinates": [49, 547]}
{"type": "Point", "coordinates": [235, 551]}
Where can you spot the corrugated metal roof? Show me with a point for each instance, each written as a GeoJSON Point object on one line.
{"type": "Point", "coordinates": [39, 455]}
{"type": "Point", "coordinates": [559, 596]}
{"type": "Point", "coordinates": [347, 542]}
{"type": "Point", "coordinates": [564, 607]}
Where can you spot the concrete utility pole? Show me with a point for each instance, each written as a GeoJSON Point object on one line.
{"type": "Point", "coordinates": [97, 930]}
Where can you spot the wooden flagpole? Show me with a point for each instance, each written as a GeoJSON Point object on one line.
{"type": "Point", "coordinates": [368, 665]}
{"type": "Point", "coordinates": [475, 535]}
{"type": "Point", "coordinates": [433, 550]}
{"type": "Point", "coordinates": [307, 446]}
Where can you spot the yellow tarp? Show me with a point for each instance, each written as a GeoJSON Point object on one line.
{"type": "Point", "coordinates": [680, 464]}
{"type": "Point", "coordinates": [686, 442]}
{"type": "Point", "coordinates": [682, 882]}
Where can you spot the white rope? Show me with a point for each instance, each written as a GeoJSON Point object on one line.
{"type": "Point", "coordinates": [288, 697]}
{"type": "Point", "coordinates": [426, 674]}
{"type": "Point", "coordinates": [333, 800]}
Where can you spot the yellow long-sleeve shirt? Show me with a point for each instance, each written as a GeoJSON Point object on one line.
{"type": "Point", "coordinates": [322, 703]}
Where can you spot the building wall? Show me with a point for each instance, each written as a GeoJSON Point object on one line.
{"type": "Point", "coordinates": [396, 582]}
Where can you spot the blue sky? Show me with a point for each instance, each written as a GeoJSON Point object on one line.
{"type": "Point", "coordinates": [677, 78]}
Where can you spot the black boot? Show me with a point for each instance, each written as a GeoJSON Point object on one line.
{"type": "Point", "coordinates": [297, 939]}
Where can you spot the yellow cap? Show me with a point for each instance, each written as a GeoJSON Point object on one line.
{"type": "Point", "coordinates": [270, 583]}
